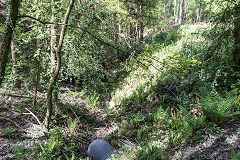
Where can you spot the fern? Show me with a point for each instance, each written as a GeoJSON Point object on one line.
{"type": "Point", "coordinates": [218, 108]}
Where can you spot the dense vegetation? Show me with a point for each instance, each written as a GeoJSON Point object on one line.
{"type": "Point", "coordinates": [149, 76]}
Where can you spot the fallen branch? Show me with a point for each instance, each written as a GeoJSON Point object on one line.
{"type": "Point", "coordinates": [22, 96]}
{"type": "Point", "coordinates": [12, 121]}
{"type": "Point", "coordinates": [31, 113]}
{"type": "Point", "coordinates": [16, 95]}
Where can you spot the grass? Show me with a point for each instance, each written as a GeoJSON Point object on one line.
{"type": "Point", "coordinates": [170, 92]}
{"type": "Point", "coordinates": [162, 99]}
{"type": "Point", "coordinates": [161, 61]}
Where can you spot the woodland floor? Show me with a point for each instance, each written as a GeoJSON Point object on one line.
{"type": "Point", "coordinates": [215, 143]}
{"type": "Point", "coordinates": [18, 128]}
{"type": "Point", "coordinates": [221, 142]}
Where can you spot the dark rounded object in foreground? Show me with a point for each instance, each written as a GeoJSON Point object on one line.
{"type": "Point", "coordinates": [99, 149]}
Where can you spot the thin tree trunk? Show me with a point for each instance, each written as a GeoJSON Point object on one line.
{"type": "Point", "coordinates": [118, 26]}
{"type": "Point", "coordinates": [178, 6]}
{"type": "Point", "coordinates": [181, 12]}
{"type": "Point", "coordinates": [198, 12]}
{"type": "Point", "coordinates": [131, 19]}
{"type": "Point", "coordinates": [38, 60]}
{"type": "Point", "coordinates": [236, 34]}
{"type": "Point", "coordinates": [53, 39]}
{"type": "Point", "coordinates": [126, 25]}
{"type": "Point", "coordinates": [10, 24]}
{"type": "Point", "coordinates": [37, 76]}
{"type": "Point", "coordinates": [55, 74]}
{"type": "Point", "coordinates": [140, 25]}
{"type": "Point", "coordinates": [17, 82]}
{"type": "Point", "coordinates": [137, 31]}
{"type": "Point", "coordinates": [175, 9]}
{"type": "Point", "coordinates": [141, 31]}
{"type": "Point", "coordinates": [186, 12]}
{"type": "Point", "coordinates": [164, 10]}
{"type": "Point", "coordinates": [169, 7]}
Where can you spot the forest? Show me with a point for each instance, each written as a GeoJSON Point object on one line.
{"type": "Point", "coordinates": [136, 79]}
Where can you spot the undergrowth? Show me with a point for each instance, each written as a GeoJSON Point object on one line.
{"type": "Point", "coordinates": [174, 89]}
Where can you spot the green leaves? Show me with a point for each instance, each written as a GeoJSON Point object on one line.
{"type": "Point", "coordinates": [216, 107]}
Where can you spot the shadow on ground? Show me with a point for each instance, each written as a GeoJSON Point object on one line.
{"type": "Point", "coordinates": [220, 144]}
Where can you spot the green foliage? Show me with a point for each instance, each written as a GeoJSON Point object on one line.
{"type": "Point", "coordinates": [155, 84]}
{"type": "Point", "coordinates": [183, 71]}
{"type": "Point", "coordinates": [234, 155]}
{"type": "Point", "coordinates": [19, 151]}
{"type": "Point", "coordinates": [216, 107]}
{"type": "Point", "coordinates": [152, 151]}
{"type": "Point", "coordinates": [72, 124]}
{"type": "Point", "coordinates": [73, 94]}
{"type": "Point", "coordinates": [9, 130]}
{"type": "Point", "coordinates": [51, 150]}
{"type": "Point", "coordinates": [58, 148]}
{"type": "Point", "coordinates": [166, 38]}
{"type": "Point", "coordinates": [179, 66]}
{"type": "Point", "coordinates": [161, 116]}
{"type": "Point", "coordinates": [182, 125]}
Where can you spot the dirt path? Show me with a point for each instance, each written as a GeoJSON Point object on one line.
{"type": "Point", "coordinates": [218, 143]}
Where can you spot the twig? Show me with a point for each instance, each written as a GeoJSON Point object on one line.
{"type": "Point", "coordinates": [17, 95]}
{"type": "Point", "coordinates": [33, 116]}
{"type": "Point", "coordinates": [92, 35]}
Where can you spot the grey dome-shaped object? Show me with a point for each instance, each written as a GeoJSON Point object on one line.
{"type": "Point", "coordinates": [99, 149]}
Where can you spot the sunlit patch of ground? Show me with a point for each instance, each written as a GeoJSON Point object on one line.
{"type": "Point", "coordinates": [218, 145]}
{"type": "Point", "coordinates": [155, 71]}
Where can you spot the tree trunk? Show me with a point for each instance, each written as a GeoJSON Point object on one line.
{"type": "Point", "coordinates": [38, 68]}
{"type": "Point", "coordinates": [140, 25]}
{"type": "Point", "coordinates": [126, 25]}
{"type": "Point", "coordinates": [178, 6]}
{"type": "Point", "coordinates": [10, 24]}
{"type": "Point", "coordinates": [236, 34]}
{"type": "Point", "coordinates": [169, 7]}
{"type": "Point", "coordinates": [37, 78]}
{"type": "Point", "coordinates": [198, 12]}
{"type": "Point", "coordinates": [164, 10]}
{"type": "Point", "coordinates": [141, 31]}
{"type": "Point", "coordinates": [131, 32]}
{"type": "Point", "coordinates": [52, 40]}
{"type": "Point", "coordinates": [186, 11]}
{"type": "Point", "coordinates": [175, 9]}
{"type": "Point", "coordinates": [55, 74]}
{"type": "Point", "coordinates": [17, 82]}
{"type": "Point", "coordinates": [181, 12]}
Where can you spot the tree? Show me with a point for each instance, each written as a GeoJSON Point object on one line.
{"type": "Point", "coordinates": [198, 11]}
{"type": "Point", "coordinates": [181, 11]}
{"type": "Point", "coordinates": [52, 39]}
{"type": "Point", "coordinates": [175, 9]}
{"type": "Point", "coordinates": [186, 11]}
{"type": "Point", "coordinates": [57, 69]}
{"type": "Point", "coordinates": [10, 24]}
{"type": "Point", "coordinates": [169, 8]}
{"type": "Point", "coordinates": [236, 35]}
{"type": "Point", "coordinates": [164, 9]}
{"type": "Point", "coordinates": [17, 82]}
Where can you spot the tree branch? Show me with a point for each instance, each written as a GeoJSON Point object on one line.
{"type": "Point", "coordinates": [95, 37]}
{"type": "Point", "coordinates": [39, 20]}
{"type": "Point", "coordinates": [92, 35]}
